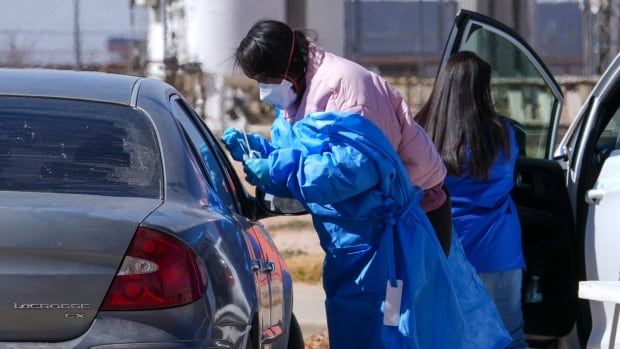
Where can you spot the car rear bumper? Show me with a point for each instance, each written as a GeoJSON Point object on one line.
{"type": "Point", "coordinates": [222, 337]}
{"type": "Point", "coordinates": [186, 327]}
{"type": "Point", "coordinates": [166, 345]}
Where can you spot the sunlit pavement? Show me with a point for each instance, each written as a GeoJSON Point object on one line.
{"type": "Point", "coordinates": [309, 308]}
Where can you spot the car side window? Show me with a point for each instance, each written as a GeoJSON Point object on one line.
{"type": "Point", "coordinates": [599, 141]}
{"type": "Point", "coordinates": [218, 176]}
{"type": "Point", "coordinates": [609, 140]}
{"type": "Point", "coordinates": [573, 142]}
{"type": "Point", "coordinates": [229, 170]}
{"type": "Point", "coordinates": [519, 90]}
{"type": "Point", "coordinates": [231, 174]}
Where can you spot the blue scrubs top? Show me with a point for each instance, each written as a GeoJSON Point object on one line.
{"type": "Point", "coordinates": [485, 216]}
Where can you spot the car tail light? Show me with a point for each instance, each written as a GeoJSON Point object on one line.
{"type": "Point", "coordinates": [158, 271]}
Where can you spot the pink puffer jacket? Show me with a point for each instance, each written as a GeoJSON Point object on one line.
{"type": "Point", "coordinates": [337, 84]}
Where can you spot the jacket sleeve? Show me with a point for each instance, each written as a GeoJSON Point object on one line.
{"type": "Point", "coordinates": [336, 174]}
{"type": "Point", "coordinates": [381, 103]}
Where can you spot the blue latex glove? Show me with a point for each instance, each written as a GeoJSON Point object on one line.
{"type": "Point", "coordinates": [257, 172]}
{"type": "Point", "coordinates": [235, 143]}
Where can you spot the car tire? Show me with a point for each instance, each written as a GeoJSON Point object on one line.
{"type": "Point", "coordinates": [295, 337]}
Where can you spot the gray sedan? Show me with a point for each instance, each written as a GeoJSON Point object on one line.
{"type": "Point", "coordinates": [123, 225]}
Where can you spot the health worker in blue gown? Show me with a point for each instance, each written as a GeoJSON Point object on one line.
{"type": "Point", "coordinates": [479, 148]}
{"type": "Point", "coordinates": [387, 280]}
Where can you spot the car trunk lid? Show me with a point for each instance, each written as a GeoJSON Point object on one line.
{"type": "Point", "coordinates": [58, 256]}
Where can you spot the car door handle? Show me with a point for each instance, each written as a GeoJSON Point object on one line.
{"type": "Point", "coordinates": [594, 196]}
{"type": "Point", "coordinates": [523, 184]}
{"type": "Point", "coordinates": [256, 265]}
{"type": "Point", "coordinates": [263, 266]}
{"type": "Point", "coordinates": [268, 267]}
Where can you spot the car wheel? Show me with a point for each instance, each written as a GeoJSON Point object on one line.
{"type": "Point", "coordinates": [295, 337]}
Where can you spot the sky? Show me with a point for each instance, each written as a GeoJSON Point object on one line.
{"type": "Point", "coordinates": [41, 31]}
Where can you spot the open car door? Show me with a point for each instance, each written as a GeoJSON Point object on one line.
{"type": "Point", "coordinates": [592, 151]}
{"type": "Point", "coordinates": [524, 90]}
{"type": "Point", "coordinates": [602, 247]}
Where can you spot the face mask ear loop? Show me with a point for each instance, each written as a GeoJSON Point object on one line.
{"type": "Point", "coordinates": [290, 58]}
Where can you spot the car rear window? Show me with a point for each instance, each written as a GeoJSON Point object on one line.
{"type": "Point", "coordinates": [79, 147]}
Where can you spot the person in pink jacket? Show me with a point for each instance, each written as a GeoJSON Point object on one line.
{"type": "Point", "coordinates": [298, 76]}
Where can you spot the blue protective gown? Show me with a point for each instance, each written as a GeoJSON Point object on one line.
{"type": "Point", "coordinates": [366, 213]}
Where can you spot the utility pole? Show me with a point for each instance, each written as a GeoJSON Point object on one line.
{"type": "Point", "coordinates": [614, 29]}
{"type": "Point", "coordinates": [602, 9]}
{"type": "Point", "coordinates": [76, 34]}
{"type": "Point", "coordinates": [588, 38]}
{"type": "Point", "coordinates": [296, 13]}
{"type": "Point", "coordinates": [164, 23]}
{"type": "Point", "coordinates": [133, 54]}
{"type": "Point", "coordinates": [171, 63]}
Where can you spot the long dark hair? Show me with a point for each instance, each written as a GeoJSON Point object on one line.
{"type": "Point", "coordinates": [460, 118]}
{"type": "Point", "coordinates": [266, 48]}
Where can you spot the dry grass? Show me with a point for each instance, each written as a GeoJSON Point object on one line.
{"type": "Point", "coordinates": [317, 341]}
{"type": "Point", "coordinates": [304, 268]}
{"type": "Point", "coordinates": [292, 223]}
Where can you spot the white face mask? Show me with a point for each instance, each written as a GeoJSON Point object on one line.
{"type": "Point", "coordinates": [279, 95]}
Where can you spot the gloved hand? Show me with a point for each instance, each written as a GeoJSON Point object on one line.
{"type": "Point", "coordinates": [257, 172]}
{"type": "Point", "coordinates": [235, 143]}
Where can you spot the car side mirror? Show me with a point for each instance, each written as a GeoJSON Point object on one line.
{"type": "Point", "coordinates": [277, 206]}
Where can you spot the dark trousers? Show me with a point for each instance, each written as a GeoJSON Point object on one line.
{"type": "Point", "coordinates": [441, 219]}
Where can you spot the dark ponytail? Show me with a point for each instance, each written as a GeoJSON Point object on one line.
{"type": "Point", "coordinates": [266, 48]}
{"type": "Point", "coordinates": [460, 118]}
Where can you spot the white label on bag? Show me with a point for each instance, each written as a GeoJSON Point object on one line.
{"type": "Point", "coordinates": [391, 307]}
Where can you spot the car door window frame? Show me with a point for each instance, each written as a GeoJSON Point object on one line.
{"type": "Point", "coordinates": [582, 126]}
{"type": "Point", "coordinates": [555, 118]}
{"type": "Point", "coordinates": [475, 21]}
{"type": "Point", "coordinates": [596, 120]}
{"type": "Point", "coordinates": [240, 191]}
{"type": "Point", "coordinates": [606, 88]}
{"type": "Point", "coordinates": [525, 49]}
{"type": "Point", "coordinates": [231, 190]}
